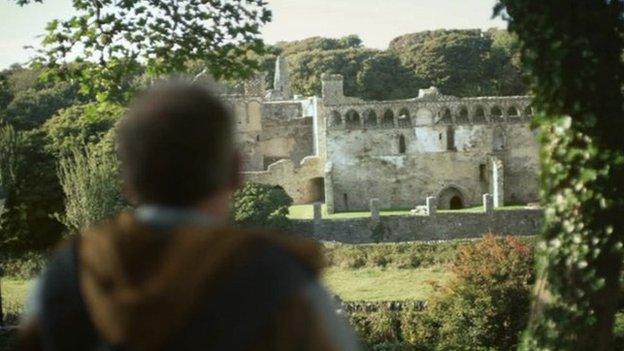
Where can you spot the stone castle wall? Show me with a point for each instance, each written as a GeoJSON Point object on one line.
{"type": "Point", "coordinates": [405, 150]}
{"type": "Point", "coordinates": [442, 226]}
{"type": "Point", "coordinates": [303, 181]}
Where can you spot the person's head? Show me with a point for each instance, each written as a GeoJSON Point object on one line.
{"type": "Point", "coordinates": [176, 146]}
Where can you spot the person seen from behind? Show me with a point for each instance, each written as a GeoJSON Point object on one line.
{"type": "Point", "coordinates": [173, 274]}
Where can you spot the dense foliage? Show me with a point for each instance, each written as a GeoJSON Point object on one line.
{"type": "Point", "coordinates": [261, 205]}
{"type": "Point", "coordinates": [487, 304]}
{"type": "Point", "coordinates": [33, 193]}
{"type": "Point", "coordinates": [110, 42]}
{"type": "Point", "coordinates": [572, 52]}
{"type": "Point", "coordinates": [69, 97]}
{"type": "Point", "coordinates": [91, 185]}
{"type": "Point", "coordinates": [459, 62]}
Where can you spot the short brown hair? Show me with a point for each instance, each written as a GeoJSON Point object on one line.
{"type": "Point", "coordinates": [175, 144]}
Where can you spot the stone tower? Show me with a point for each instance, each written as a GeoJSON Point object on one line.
{"type": "Point", "coordinates": [281, 84]}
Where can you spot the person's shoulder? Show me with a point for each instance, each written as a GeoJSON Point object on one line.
{"type": "Point", "coordinates": [306, 251]}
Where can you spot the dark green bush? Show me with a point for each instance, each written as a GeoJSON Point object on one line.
{"type": "Point", "coordinates": [261, 205]}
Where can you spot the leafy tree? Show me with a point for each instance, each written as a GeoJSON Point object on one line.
{"type": "Point", "coordinates": [463, 62]}
{"type": "Point", "coordinates": [5, 93]}
{"type": "Point", "coordinates": [110, 41]}
{"type": "Point", "coordinates": [504, 63]}
{"type": "Point", "coordinates": [486, 306]}
{"type": "Point", "coordinates": [572, 52]}
{"type": "Point", "coordinates": [261, 205]}
{"type": "Point", "coordinates": [30, 108]}
{"type": "Point", "coordinates": [318, 43]}
{"type": "Point", "coordinates": [92, 187]}
{"type": "Point", "coordinates": [80, 125]}
{"type": "Point", "coordinates": [453, 61]}
{"type": "Point", "coordinates": [383, 77]}
{"type": "Point", "coordinates": [306, 68]}
{"type": "Point", "coordinates": [22, 78]}
{"type": "Point", "coordinates": [33, 194]}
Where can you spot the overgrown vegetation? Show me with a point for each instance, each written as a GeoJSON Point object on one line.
{"type": "Point", "coordinates": [484, 305]}
{"type": "Point", "coordinates": [92, 187]}
{"type": "Point", "coordinates": [459, 62]}
{"type": "Point", "coordinates": [572, 53]}
{"type": "Point", "coordinates": [261, 205]}
{"type": "Point", "coordinates": [393, 255]}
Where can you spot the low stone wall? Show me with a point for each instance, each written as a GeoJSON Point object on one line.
{"type": "Point", "coordinates": [441, 226]}
{"type": "Point", "coordinates": [374, 306]}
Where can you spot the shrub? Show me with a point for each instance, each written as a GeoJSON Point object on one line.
{"type": "Point", "coordinates": [91, 184]}
{"type": "Point", "coordinates": [261, 205]}
{"type": "Point", "coordinates": [377, 327]}
{"type": "Point", "coordinates": [24, 266]}
{"type": "Point", "coordinates": [33, 193]}
{"type": "Point", "coordinates": [487, 305]}
{"type": "Point", "coordinates": [394, 255]}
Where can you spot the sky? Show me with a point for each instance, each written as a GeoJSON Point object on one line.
{"type": "Point", "coordinates": [375, 21]}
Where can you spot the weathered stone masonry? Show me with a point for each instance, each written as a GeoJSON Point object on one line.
{"type": "Point", "coordinates": [442, 226]}
{"type": "Point", "coordinates": [345, 151]}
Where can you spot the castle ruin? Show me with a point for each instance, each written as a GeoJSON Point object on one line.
{"type": "Point", "coordinates": [345, 151]}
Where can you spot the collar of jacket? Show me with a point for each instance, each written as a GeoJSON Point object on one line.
{"type": "Point", "coordinates": [163, 217]}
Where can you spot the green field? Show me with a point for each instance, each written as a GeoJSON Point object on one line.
{"type": "Point", "coordinates": [384, 284]}
{"type": "Point", "coordinates": [14, 292]}
{"type": "Point", "coordinates": [306, 212]}
{"type": "Point", "coordinates": [370, 284]}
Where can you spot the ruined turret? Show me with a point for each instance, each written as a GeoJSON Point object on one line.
{"type": "Point", "coordinates": [281, 84]}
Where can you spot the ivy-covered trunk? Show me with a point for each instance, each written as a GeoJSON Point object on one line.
{"type": "Point", "coordinates": [571, 51]}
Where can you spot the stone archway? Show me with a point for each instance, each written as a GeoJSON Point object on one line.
{"type": "Point", "coordinates": [316, 190]}
{"type": "Point", "coordinates": [451, 198]}
{"type": "Point", "coordinates": [456, 203]}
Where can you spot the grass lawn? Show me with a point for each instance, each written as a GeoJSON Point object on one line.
{"type": "Point", "coordinates": [370, 284]}
{"type": "Point", "coordinates": [14, 292]}
{"type": "Point", "coordinates": [379, 284]}
{"type": "Point", "coordinates": [306, 211]}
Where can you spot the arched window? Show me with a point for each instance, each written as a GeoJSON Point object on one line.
{"type": "Point", "coordinates": [336, 119]}
{"type": "Point", "coordinates": [388, 119]}
{"type": "Point", "coordinates": [444, 116]}
{"type": "Point", "coordinates": [370, 119]}
{"type": "Point", "coordinates": [450, 199]}
{"type": "Point", "coordinates": [450, 138]}
{"type": "Point", "coordinates": [496, 114]}
{"type": "Point", "coordinates": [462, 117]}
{"type": "Point", "coordinates": [402, 146]}
{"type": "Point", "coordinates": [352, 119]}
{"type": "Point", "coordinates": [479, 115]}
{"type": "Point", "coordinates": [404, 118]}
{"type": "Point", "coordinates": [513, 111]}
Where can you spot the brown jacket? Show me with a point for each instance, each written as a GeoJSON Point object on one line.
{"type": "Point", "coordinates": [142, 287]}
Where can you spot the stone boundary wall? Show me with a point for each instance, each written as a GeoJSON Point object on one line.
{"type": "Point", "coordinates": [439, 226]}
{"type": "Point", "coordinates": [374, 306]}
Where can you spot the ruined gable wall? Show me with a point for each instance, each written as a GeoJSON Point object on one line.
{"type": "Point", "coordinates": [269, 131]}
{"type": "Point", "coordinates": [296, 179]}
{"type": "Point", "coordinates": [286, 139]}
